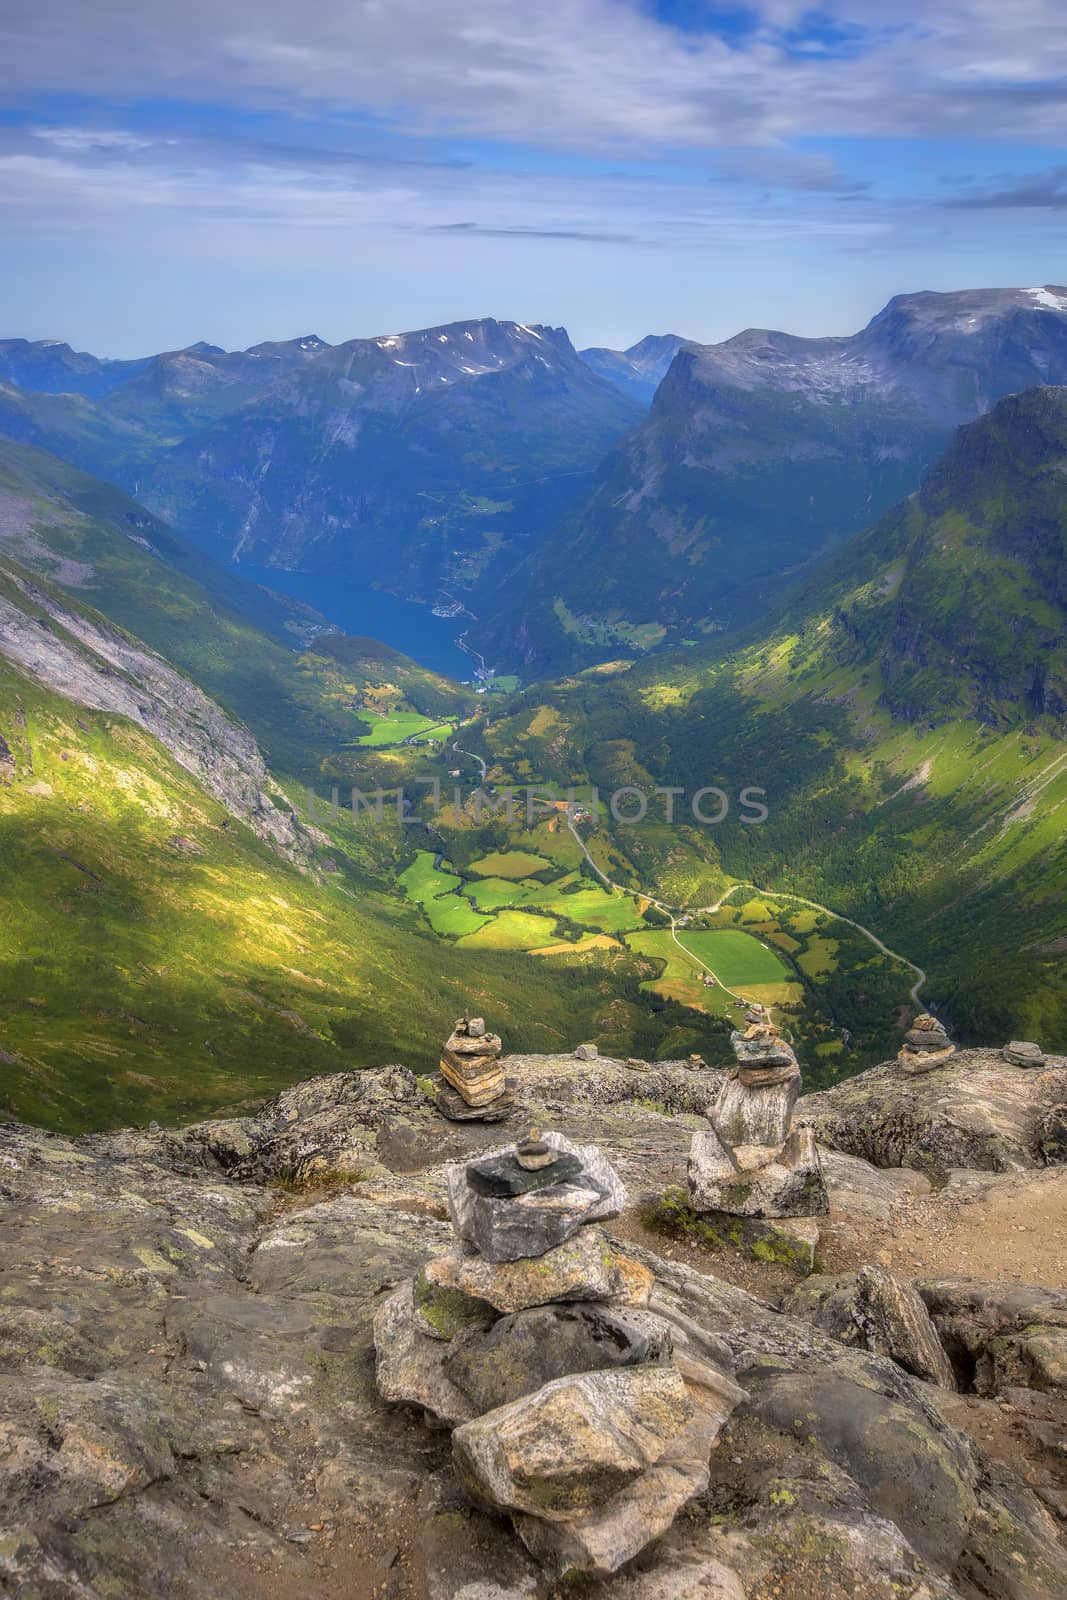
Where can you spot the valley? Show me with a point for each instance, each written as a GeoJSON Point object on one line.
{"type": "Point", "coordinates": [897, 707]}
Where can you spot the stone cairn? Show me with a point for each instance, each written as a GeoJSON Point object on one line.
{"type": "Point", "coordinates": [752, 1163]}
{"type": "Point", "coordinates": [472, 1086]}
{"type": "Point", "coordinates": [1021, 1053]}
{"type": "Point", "coordinates": [926, 1045]}
{"type": "Point", "coordinates": [577, 1411]}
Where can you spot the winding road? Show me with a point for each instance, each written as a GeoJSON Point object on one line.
{"type": "Point", "coordinates": [774, 894]}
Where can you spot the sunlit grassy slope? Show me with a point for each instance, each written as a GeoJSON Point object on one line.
{"type": "Point", "coordinates": [157, 961]}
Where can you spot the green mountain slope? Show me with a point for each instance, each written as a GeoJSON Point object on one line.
{"type": "Point", "coordinates": [178, 931]}
{"type": "Point", "coordinates": [906, 713]}
{"type": "Point", "coordinates": [157, 959]}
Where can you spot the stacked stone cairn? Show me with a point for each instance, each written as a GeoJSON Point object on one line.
{"type": "Point", "coordinates": [579, 1412]}
{"type": "Point", "coordinates": [1021, 1053]}
{"type": "Point", "coordinates": [752, 1163]}
{"type": "Point", "coordinates": [472, 1086]}
{"type": "Point", "coordinates": [926, 1045]}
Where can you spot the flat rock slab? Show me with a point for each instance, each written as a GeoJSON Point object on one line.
{"type": "Point", "coordinates": [451, 1104]}
{"type": "Point", "coordinates": [586, 1267]}
{"type": "Point", "coordinates": [502, 1177]}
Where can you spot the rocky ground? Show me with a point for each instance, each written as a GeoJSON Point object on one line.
{"type": "Point", "coordinates": [187, 1395]}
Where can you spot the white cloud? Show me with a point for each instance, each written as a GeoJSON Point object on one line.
{"type": "Point", "coordinates": [577, 74]}
{"type": "Point", "coordinates": [90, 139]}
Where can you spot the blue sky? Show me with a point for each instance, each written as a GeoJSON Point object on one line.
{"type": "Point", "coordinates": [236, 171]}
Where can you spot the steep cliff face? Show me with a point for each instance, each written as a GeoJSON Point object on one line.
{"type": "Point", "coordinates": [82, 657]}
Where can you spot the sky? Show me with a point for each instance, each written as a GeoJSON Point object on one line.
{"type": "Point", "coordinates": [240, 170]}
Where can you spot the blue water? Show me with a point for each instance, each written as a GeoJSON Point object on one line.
{"type": "Point", "coordinates": [407, 626]}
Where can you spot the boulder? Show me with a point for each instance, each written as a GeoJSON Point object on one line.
{"type": "Point", "coordinates": [1022, 1053]}
{"type": "Point", "coordinates": [755, 1181]}
{"type": "Point", "coordinates": [574, 1442]}
{"type": "Point", "coordinates": [529, 1224]}
{"type": "Point", "coordinates": [410, 1363]}
{"type": "Point", "coordinates": [1005, 1334]}
{"type": "Point", "coordinates": [586, 1267]}
{"type": "Point", "coordinates": [976, 1111]}
{"type": "Point", "coordinates": [586, 1052]}
{"type": "Point", "coordinates": [593, 1467]}
{"type": "Point", "coordinates": [879, 1312]}
{"type": "Point", "coordinates": [607, 1537]}
{"type": "Point", "coordinates": [521, 1353]}
{"type": "Point", "coordinates": [762, 1115]}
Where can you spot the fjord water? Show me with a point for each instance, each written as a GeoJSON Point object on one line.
{"type": "Point", "coordinates": [407, 625]}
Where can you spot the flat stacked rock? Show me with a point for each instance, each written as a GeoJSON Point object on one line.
{"type": "Point", "coordinates": [752, 1163]}
{"type": "Point", "coordinates": [1021, 1053]}
{"type": "Point", "coordinates": [926, 1045]}
{"type": "Point", "coordinates": [579, 1412]}
{"type": "Point", "coordinates": [472, 1086]}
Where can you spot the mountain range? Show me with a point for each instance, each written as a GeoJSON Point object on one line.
{"type": "Point", "coordinates": [414, 461]}
{"type": "Point", "coordinates": [638, 370]}
{"type": "Point", "coordinates": [758, 455]}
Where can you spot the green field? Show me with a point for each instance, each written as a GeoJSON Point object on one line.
{"type": "Point", "coordinates": [680, 978]}
{"type": "Point", "coordinates": [736, 958]}
{"type": "Point", "coordinates": [489, 894]}
{"type": "Point", "coordinates": [449, 913]}
{"type": "Point", "coordinates": [510, 930]}
{"type": "Point", "coordinates": [509, 864]}
{"type": "Point", "coordinates": [451, 916]}
{"type": "Point", "coordinates": [397, 726]}
{"type": "Point", "coordinates": [594, 908]}
{"type": "Point", "coordinates": [423, 881]}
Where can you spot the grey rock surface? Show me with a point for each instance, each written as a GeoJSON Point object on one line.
{"type": "Point", "coordinates": [188, 1401]}
{"type": "Point", "coordinates": [881, 1313]}
{"type": "Point", "coordinates": [757, 1181]}
{"type": "Point", "coordinates": [1009, 1335]}
{"type": "Point", "coordinates": [754, 1116]}
{"type": "Point", "coordinates": [975, 1111]}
